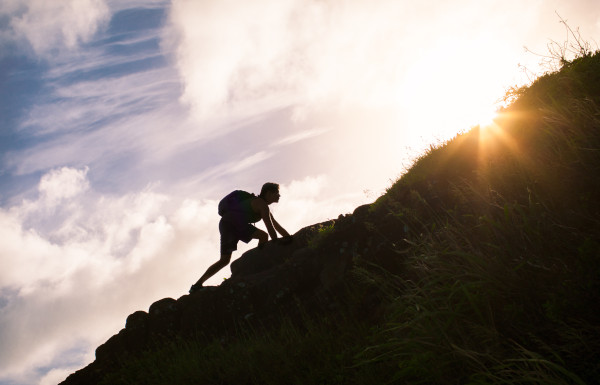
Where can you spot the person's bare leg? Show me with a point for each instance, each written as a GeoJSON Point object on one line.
{"type": "Point", "coordinates": [213, 269]}
{"type": "Point", "coordinates": [261, 236]}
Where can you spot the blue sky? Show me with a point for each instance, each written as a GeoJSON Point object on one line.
{"type": "Point", "coordinates": [122, 123]}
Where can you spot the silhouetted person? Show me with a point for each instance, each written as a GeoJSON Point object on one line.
{"type": "Point", "coordinates": [236, 225]}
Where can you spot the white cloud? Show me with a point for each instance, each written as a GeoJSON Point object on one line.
{"type": "Point", "coordinates": [52, 26]}
{"type": "Point", "coordinates": [302, 135]}
{"type": "Point", "coordinates": [249, 57]}
{"type": "Point", "coordinates": [230, 52]}
{"type": "Point", "coordinates": [272, 53]}
{"type": "Point", "coordinates": [249, 161]}
{"type": "Point", "coordinates": [234, 166]}
{"type": "Point", "coordinates": [62, 184]}
{"type": "Point", "coordinates": [132, 249]}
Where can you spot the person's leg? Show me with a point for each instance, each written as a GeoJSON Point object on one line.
{"type": "Point", "coordinates": [213, 269]}
{"type": "Point", "coordinates": [262, 237]}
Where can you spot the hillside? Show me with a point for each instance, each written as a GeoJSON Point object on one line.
{"type": "Point", "coordinates": [480, 265]}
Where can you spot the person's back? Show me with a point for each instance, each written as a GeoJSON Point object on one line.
{"type": "Point", "coordinates": [239, 204]}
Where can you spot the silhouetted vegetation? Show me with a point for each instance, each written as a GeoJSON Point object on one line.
{"type": "Point", "coordinates": [487, 267]}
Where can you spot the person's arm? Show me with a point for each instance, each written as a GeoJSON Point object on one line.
{"type": "Point", "coordinates": [278, 227]}
{"type": "Point", "coordinates": [263, 210]}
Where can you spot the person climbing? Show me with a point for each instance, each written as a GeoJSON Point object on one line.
{"type": "Point", "coordinates": [238, 211]}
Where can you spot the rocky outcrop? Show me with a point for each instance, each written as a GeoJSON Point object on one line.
{"type": "Point", "coordinates": [264, 285]}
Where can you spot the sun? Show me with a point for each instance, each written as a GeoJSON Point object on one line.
{"type": "Point", "coordinates": [485, 118]}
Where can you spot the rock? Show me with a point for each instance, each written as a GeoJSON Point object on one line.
{"type": "Point", "coordinates": [256, 260]}
{"type": "Point", "coordinates": [136, 320]}
{"type": "Point", "coordinates": [163, 320]}
{"type": "Point", "coordinates": [165, 305]}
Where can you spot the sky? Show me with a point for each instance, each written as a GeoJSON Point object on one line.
{"type": "Point", "coordinates": [123, 122]}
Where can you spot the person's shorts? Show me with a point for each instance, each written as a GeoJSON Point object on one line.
{"type": "Point", "coordinates": [234, 229]}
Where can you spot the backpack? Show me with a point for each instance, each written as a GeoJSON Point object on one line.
{"type": "Point", "coordinates": [234, 201]}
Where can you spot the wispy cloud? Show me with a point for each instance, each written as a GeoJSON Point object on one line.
{"type": "Point", "coordinates": [249, 161]}
{"type": "Point", "coordinates": [53, 26]}
{"type": "Point", "coordinates": [226, 169]}
{"type": "Point", "coordinates": [113, 98]}
{"type": "Point", "coordinates": [97, 103]}
{"type": "Point", "coordinates": [302, 135]}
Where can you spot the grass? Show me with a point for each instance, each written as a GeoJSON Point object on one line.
{"type": "Point", "coordinates": [497, 237]}
{"type": "Point", "coordinates": [323, 231]}
{"type": "Point", "coordinates": [504, 269]}
{"type": "Point", "coordinates": [295, 355]}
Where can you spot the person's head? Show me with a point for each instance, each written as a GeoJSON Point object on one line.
{"type": "Point", "coordinates": [270, 192]}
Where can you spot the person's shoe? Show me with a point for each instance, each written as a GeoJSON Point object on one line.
{"type": "Point", "coordinates": [286, 240]}
{"type": "Point", "coordinates": [195, 288]}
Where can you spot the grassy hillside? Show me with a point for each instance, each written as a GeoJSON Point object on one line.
{"type": "Point", "coordinates": [480, 265]}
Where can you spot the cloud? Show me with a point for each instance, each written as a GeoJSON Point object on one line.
{"type": "Point", "coordinates": [251, 57]}
{"type": "Point", "coordinates": [275, 53]}
{"type": "Point", "coordinates": [302, 135]}
{"type": "Point", "coordinates": [105, 102]}
{"type": "Point", "coordinates": [132, 249]}
{"type": "Point", "coordinates": [62, 184]}
{"type": "Point", "coordinates": [114, 115]}
{"type": "Point", "coordinates": [53, 26]}
{"type": "Point", "coordinates": [226, 169]}
{"type": "Point", "coordinates": [229, 52]}
{"type": "Point", "coordinates": [248, 162]}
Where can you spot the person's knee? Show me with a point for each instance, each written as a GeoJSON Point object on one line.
{"type": "Point", "coordinates": [262, 236]}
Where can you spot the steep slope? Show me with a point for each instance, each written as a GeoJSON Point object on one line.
{"type": "Point", "coordinates": [481, 264]}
